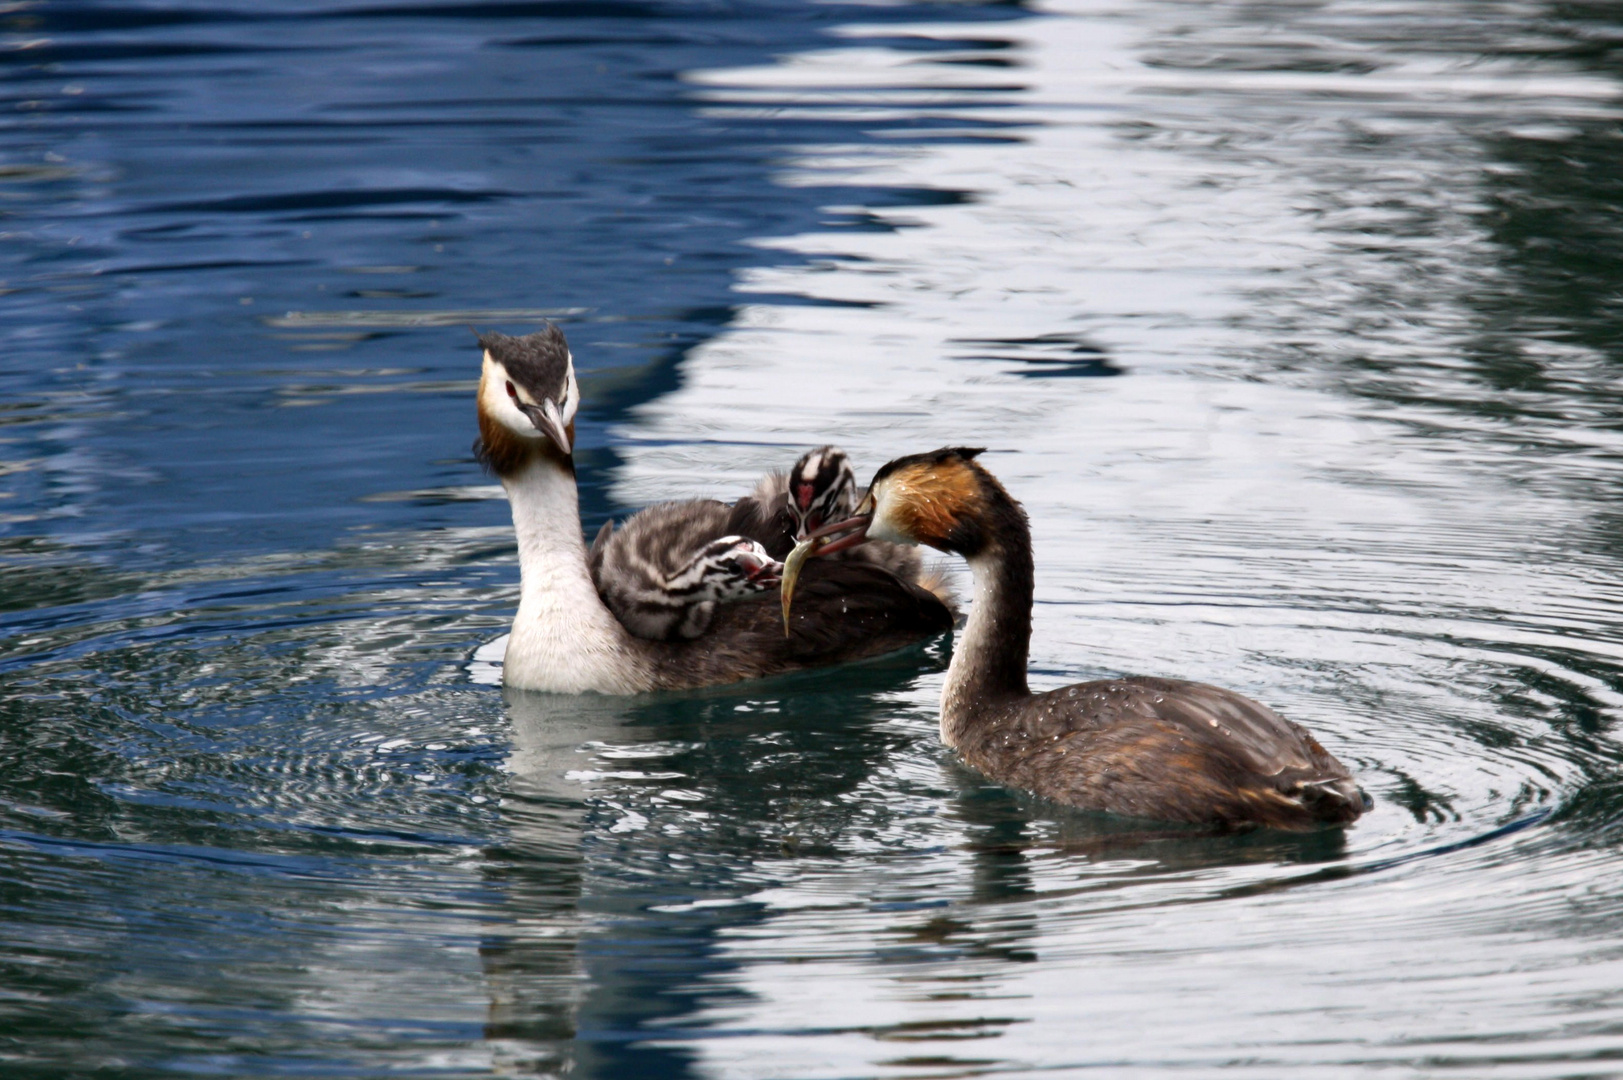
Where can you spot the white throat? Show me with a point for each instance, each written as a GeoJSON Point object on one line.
{"type": "Point", "coordinates": [564, 639]}
{"type": "Point", "coordinates": [970, 646]}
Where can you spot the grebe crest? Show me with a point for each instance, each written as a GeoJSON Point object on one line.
{"type": "Point", "coordinates": [942, 499]}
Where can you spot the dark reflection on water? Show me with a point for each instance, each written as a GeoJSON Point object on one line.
{"type": "Point", "coordinates": [1294, 326]}
{"type": "Point", "coordinates": [679, 807]}
{"type": "Point", "coordinates": [255, 244]}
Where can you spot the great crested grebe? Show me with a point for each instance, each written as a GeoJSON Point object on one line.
{"type": "Point", "coordinates": [665, 571]}
{"type": "Point", "coordinates": [1146, 747]}
{"type": "Point", "coordinates": [566, 640]}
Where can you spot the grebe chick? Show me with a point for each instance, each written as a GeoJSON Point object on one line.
{"type": "Point", "coordinates": [820, 487]}
{"type": "Point", "coordinates": [566, 640]}
{"type": "Point", "coordinates": [786, 507]}
{"type": "Point", "coordinates": [1156, 748]}
{"type": "Point", "coordinates": [666, 569]}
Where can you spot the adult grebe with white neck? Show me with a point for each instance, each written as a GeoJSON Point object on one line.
{"type": "Point", "coordinates": [1146, 747]}
{"type": "Point", "coordinates": [566, 640]}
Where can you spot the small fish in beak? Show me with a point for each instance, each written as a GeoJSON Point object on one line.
{"type": "Point", "coordinates": [791, 572]}
{"type": "Point", "coordinates": [820, 542]}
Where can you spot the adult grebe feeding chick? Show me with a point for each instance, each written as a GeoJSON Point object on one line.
{"type": "Point", "coordinates": [666, 569]}
{"type": "Point", "coordinates": [786, 508]}
{"type": "Point", "coordinates": [565, 639]}
{"type": "Point", "coordinates": [1156, 748]}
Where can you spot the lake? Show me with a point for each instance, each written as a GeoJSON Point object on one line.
{"type": "Point", "coordinates": [1297, 328]}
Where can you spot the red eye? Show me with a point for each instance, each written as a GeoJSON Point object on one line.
{"type": "Point", "coordinates": [512, 391]}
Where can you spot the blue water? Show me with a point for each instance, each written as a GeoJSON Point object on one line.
{"type": "Point", "coordinates": [1295, 327]}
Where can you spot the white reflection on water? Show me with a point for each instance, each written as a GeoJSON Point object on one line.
{"type": "Point", "coordinates": [1224, 511]}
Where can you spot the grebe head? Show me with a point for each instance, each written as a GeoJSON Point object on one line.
{"type": "Point", "coordinates": [528, 397]}
{"type": "Point", "coordinates": [943, 499]}
{"type": "Point", "coordinates": [734, 567]}
{"type": "Point", "coordinates": [822, 489]}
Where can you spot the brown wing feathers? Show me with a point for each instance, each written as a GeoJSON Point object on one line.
{"type": "Point", "coordinates": [843, 611]}
{"type": "Point", "coordinates": [1167, 749]}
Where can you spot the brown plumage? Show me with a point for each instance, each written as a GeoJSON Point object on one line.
{"type": "Point", "coordinates": [1161, 748]}
{"type": "Point", "coordinates": [851, 611]}
{"type": "Point", "coordinates": [1148, 747]}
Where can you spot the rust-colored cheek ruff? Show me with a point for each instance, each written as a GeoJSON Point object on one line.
{"type": "Point", "coordinates": [929, 502]}
{"type": "Point", "coordinates": [504, 453]}
{"type": "Point", "coordinates": [498, 449]}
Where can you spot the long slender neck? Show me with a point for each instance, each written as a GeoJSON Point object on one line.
{"type": "Point", "coordinates": [989, 658]}
{"type": "Point", "coordinates": [564, 638]}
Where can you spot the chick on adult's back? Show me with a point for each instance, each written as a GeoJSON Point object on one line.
{"type": "Point", "coordinates": [666, 569]}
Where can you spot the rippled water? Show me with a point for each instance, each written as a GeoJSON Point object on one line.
{"type": "Point", "coordinates": [1297, 327]}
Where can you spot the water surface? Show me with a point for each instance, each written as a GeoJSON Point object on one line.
{"type": "Point", "coordinates": [1295, 327]}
